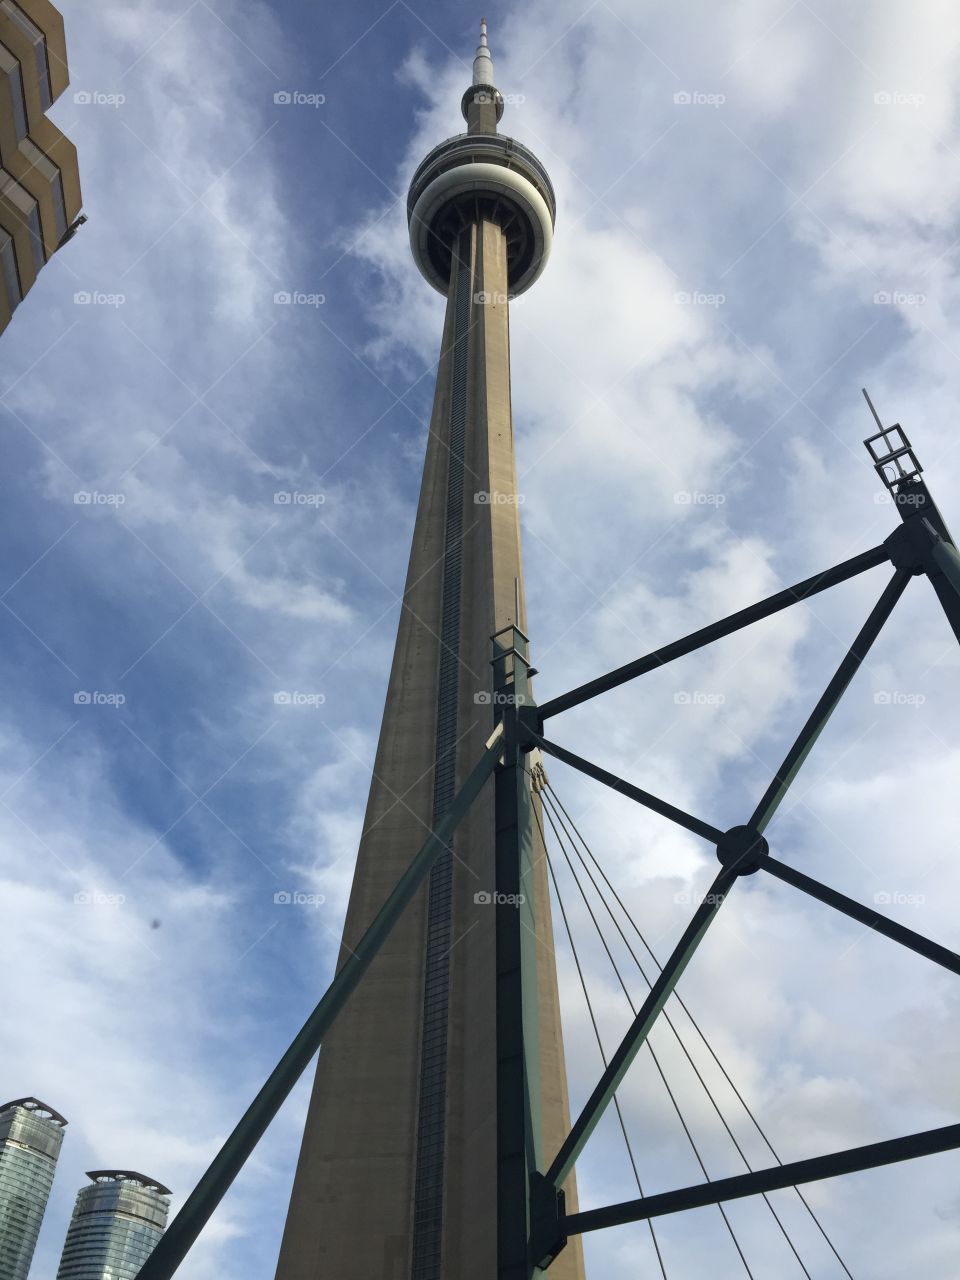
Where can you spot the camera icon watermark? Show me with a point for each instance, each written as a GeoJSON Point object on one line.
{"type": "Point", "coordinates": [97, 298]}
{"type": "Point", "coordinates": [897, 698]}
{"type": "Point", "coordinates": [297, 98]}
{"type": "Point", "coordinates": [296, 898]}
{"type": "Point", "coordinates": [895, 898]}
{"type": "Point", "coordinates": [297, 298]}
{"type": "Point", "coordinates": [94, 498]}
{"type": "Point", "coordinates": [898, 298]}
{"type": "Point", "coordinates": [698, 298]}
{"type": "Point", "coordinates": [95, 98]}
{"type": "Point", "coordinates": [694, 498]}
{"type": "Point", "coordinates": [499, 699]}
{"type": "Point", "coordinates": [698, 698]}
{"type": "Point", "coordinates": [884, 497]}
{"type": "Point", "coordinates": [94, 698]}
{"type": "Point", "coordinates": [294, 498]}
{"type": "Point", "coordinates": [486, 498]}
{"type": "Point", "coordinates": [486, 898]}
{"type": "Point", "coordinates": [895, 98]}
{"type": "Point", "coordinates": [294, 698]}
{"type": "Point", "coordinates": [697, 98]}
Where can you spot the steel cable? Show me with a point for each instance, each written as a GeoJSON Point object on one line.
{"type": "Point", "coordinates": [650, 1049]}
{"type": "Point", "coordinates": [596, 1032]}
{"type": "Point", "coordinates": [554, 799]}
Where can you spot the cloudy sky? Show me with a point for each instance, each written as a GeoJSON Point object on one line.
{"type": "Point", "coordinates": [758, 215]}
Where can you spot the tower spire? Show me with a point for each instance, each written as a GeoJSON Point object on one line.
{"type": "Point", "coordinates": [482, 104]}
{"type": "Point", "coordinates": [483, 60]}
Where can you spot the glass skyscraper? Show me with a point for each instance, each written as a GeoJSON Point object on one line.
{"type": "Point", "coordinates": [116, 1224]}
{"type": "Point", "coordinates": [31, 1134]}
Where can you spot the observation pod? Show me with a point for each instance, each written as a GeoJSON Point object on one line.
{"type": "Point", "coordinates": [481, 176]}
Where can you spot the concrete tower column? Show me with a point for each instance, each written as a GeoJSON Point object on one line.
{"type": "Point", "coordinates": [397, 1177]}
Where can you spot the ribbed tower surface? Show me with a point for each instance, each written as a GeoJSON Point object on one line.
{"type": "Point", "coordinates": [397, 1172]}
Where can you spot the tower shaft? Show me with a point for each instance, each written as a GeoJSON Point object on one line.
{"type": "Point", "coordinates": [397, 1173]}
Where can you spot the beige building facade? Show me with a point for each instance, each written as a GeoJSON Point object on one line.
{"type": "Point", "coordinates": [40, 197]}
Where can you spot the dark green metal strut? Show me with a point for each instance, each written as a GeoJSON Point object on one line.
{"type": "Point", "coordinates": [829, 699]}
{"type": "Point", "coordinates": [213, 1186]}
{"type": "Point", "coordinates": [633, 1041]}
{"type": "Point", "coordinates": [717, 630]}
{"type": "Point", "coordinates": [872, 1156]}
{"type": "Point", "coordinates": [532, 1222]}
{"type": "Point", "coordinates": [922, 545]}
{"type": "Point", "coordinates": [517, 1019]}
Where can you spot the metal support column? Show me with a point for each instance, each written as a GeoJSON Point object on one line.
{"type": "Point", "coordinates": [517, 1024]}
{"type": "Point", "coordinates": [829, 699]}
{"type": "Point", "coordinates": [940, 559]}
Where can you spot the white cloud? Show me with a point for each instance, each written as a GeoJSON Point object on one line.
{"type": "Point", "coordinates": [623, 399]}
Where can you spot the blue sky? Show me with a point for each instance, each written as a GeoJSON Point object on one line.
{"type": "Point", "coordinates": [728, 271]}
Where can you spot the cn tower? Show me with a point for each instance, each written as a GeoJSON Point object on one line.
{"type": "Point", "coordinates": [397, 1176]}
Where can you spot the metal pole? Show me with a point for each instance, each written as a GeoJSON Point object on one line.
{"type": "Point", "coordinates": [517, 1017]}
{"type": "Point", "coordinates": [939, 558]}
{"type": "Point", "coordinates": [633, 1041]}
{"type": "Point", "coordinates": [945, 580]}
{"type": "Point", "coordinates": [716, 630]}
{"type": "Point", "coordinates": [864, 915]}
{"type": "Point", "coordinates": [785, 1175]}
{"type": "Point", "coordinates": [828, 700]}
{"type": "Point", "coordinates": [173, 1245]}
{"type": "Point", "coordinates": [682, 819]}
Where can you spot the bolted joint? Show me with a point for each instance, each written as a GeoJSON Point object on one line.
{"type": "Point", "coordinates": [521, 725]}
{"type": "Point", "coordinates": [529, 726]}
{"type": "Point", "coordinates": [911, 546]}
{"type": "Point", "coordinates": [547, 1215]}
{"type": "Point", "coordinates": [742, 849]}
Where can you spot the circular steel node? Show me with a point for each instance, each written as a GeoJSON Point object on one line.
{"type": "Point", "coordinates": [741, 848]}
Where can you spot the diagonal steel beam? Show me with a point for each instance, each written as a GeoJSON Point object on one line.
{"type": "Point", "coordinates": [749, 1184]}
{"type": "Point", "coordinates": [717, 630]}
{"type": "Point", "coordinates": [869, 916]}
{"type": "Point", "coordinates": [945, 580]}
{"type": "Point", "coordinates": [633, 1041]}
{"type": "Point", "coordinates": [173, 1245]}
{"type": "Point", "coordinates": [829, 699]}
{"type": "Point", "coordinates": [679, 816]}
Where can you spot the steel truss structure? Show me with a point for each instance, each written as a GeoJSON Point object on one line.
{"type": "Point", "coordinates": [533, 1223]}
